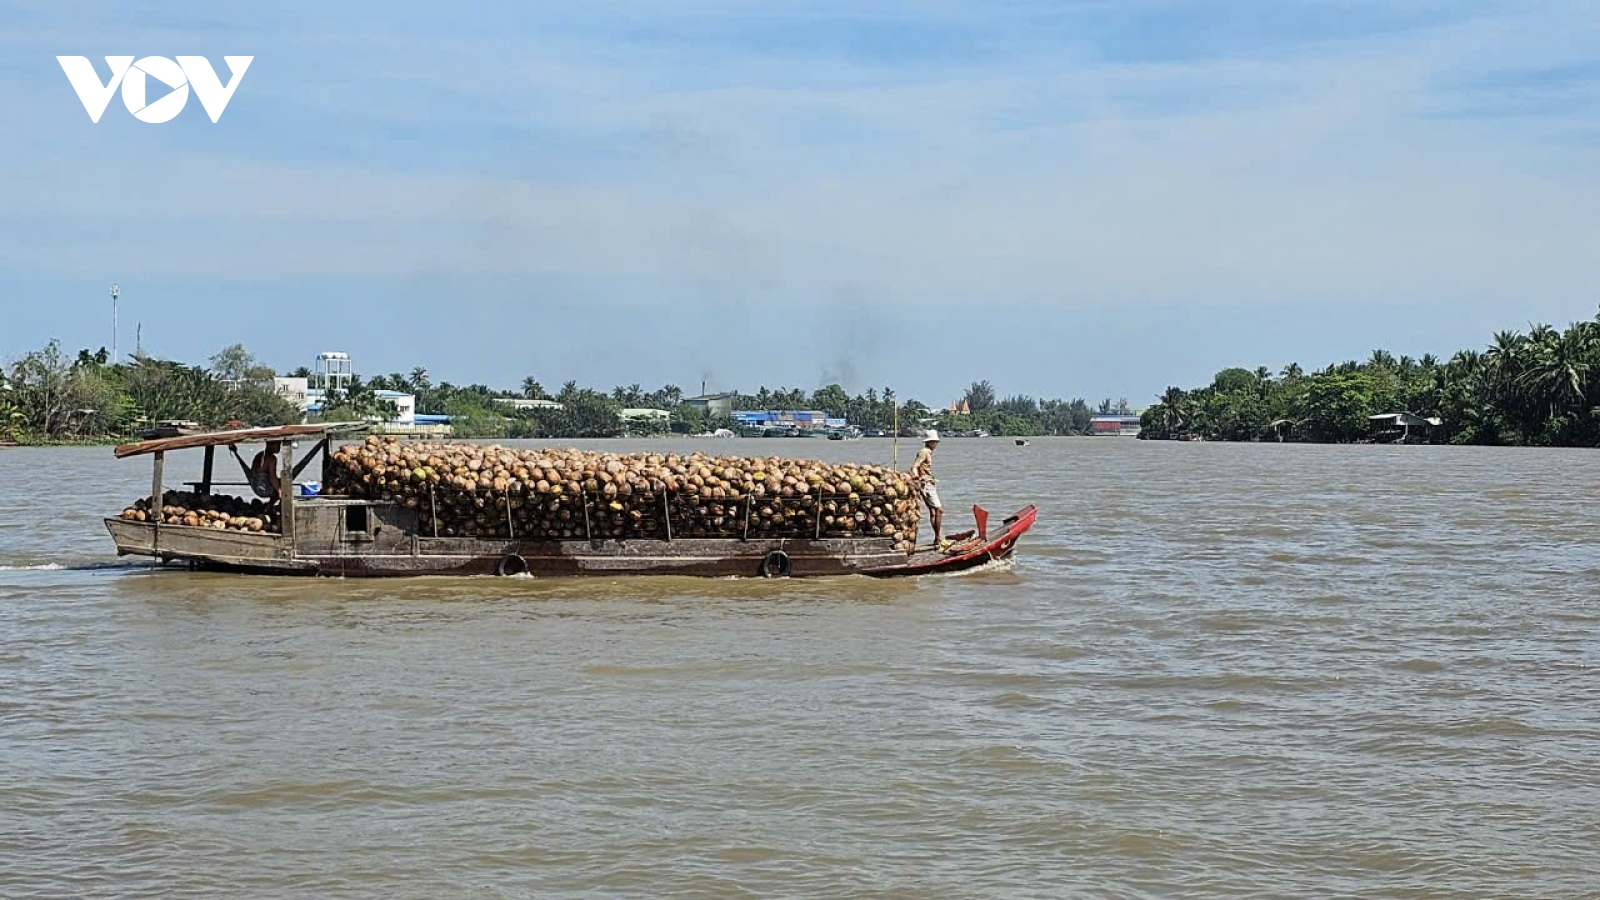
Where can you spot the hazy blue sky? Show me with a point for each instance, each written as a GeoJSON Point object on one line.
{"type": "Point", "coordinates": [1100, 197]}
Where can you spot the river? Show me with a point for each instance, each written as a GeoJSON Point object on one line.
{"type": "Point", "coordinates": [1212, 671]}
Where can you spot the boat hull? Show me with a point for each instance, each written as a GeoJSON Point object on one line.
{"type": "Point", "coordinates": [408, 554]}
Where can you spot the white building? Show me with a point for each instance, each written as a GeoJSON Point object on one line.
{"type": "Point", "coordinates": [294, 390]}
{"type": "Point", "coordinates": [405, 406]}
{"type": "Point", "coordinates": [522, 403]}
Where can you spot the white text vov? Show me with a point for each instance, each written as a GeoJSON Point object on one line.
{"type": "Point", "coordinates": [130, 75]}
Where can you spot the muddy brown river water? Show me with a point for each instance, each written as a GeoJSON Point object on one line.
{"type": "Point", "coordinates": [1212, 671]}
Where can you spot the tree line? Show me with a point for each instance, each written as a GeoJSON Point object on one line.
{"type": "Point", "coordinates": [587, 412]}
{"type": "Point", "coordinates": [1541, 388]}
{"type": "Point", "coordinates": [48, 396]}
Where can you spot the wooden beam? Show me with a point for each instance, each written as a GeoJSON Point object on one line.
{"type": "Point", "coordinates": [238, 436]}
{"type": "Point", "coordinates": [286, 496]}
{"type": "Point", "coordinates": [321, 447]}
{"type": "Point", "coordinates": [205, 475]}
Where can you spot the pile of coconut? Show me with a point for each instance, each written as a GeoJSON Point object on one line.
{"type": "Point", "coordinates": [204, 511]}
{"type": "Point", "coordinates": [473, 490]}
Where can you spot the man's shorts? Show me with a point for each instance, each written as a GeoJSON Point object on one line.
{"type": "Point", "coordinates": [930, 496]}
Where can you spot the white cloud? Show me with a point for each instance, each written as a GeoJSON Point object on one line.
{"type": "Point", "coordinates": [1268, 178]}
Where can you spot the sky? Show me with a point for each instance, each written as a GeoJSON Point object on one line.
{"type": "Point", "coordinates": [1094, 198]}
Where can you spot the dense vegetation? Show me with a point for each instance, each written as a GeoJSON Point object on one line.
{"type": "Point", "coordinates": [49, 397]}
{"type": "Point", "coordinates": [1536, 389]}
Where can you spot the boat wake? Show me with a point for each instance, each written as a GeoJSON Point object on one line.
{"type": "Point", "coordinates": [989, 568]}
{"type": "Point", "coordinates": [69, 567]}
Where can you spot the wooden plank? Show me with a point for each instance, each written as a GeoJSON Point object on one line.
{"type": "Point", "coordinates": [237, 436]}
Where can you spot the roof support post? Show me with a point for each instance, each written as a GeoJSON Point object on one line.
{"type": "Point", "coordinates": [156, 515]}
{"type": "Point", "coordinates": [205, 474]}
{"type": "Point", "coordinates": [286, 496]}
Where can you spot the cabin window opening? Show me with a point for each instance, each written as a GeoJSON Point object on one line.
{"type": "Point", "coordinates": [355, 518]}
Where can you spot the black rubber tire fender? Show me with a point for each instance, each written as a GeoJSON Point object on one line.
{"type": "Point", "coordinates": [776, 565]}
{"type": "Point", "coordinates": [511, 565]}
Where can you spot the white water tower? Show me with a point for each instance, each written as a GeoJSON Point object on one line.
{"type": "Point", "coordinates": [333, 371]}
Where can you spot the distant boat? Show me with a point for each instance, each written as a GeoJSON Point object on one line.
{"type": "Point", "coordinates": [1021, 442]}
{"type": "Point", "coordinates": [171, 428]}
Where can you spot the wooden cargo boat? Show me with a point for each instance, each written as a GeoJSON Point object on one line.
{"type": "Point", "coordinates": [347, 536]}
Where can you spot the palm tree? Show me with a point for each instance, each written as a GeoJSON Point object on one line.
{"type": "Point", "coordinates": [1558, 368]}
{"type": "Point", "coordinates": [1179, 410]}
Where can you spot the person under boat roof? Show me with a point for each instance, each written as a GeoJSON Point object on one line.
{"type": "Point", "coordinates": [262, 472]}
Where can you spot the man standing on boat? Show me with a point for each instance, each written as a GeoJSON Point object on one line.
{"type": "Point", "coordinates": [927, 485]}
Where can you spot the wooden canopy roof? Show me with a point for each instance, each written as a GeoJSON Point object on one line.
{"type": "Point", "coordinates": [237, 436]}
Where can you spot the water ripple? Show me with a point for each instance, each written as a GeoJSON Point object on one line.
{"type": "Point", "coordinates": [1228, 671]}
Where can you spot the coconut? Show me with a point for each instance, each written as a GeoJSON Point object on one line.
{"type": "Point", "coordinates": [557, 494]}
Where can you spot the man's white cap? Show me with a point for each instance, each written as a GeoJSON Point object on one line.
{"type": "Point", "coordinates": [930, 436]}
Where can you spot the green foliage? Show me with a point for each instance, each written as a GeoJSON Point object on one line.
{"type": "Point", "coordinates": [687, 419]}
{"type": "Point", "coordinates": [1534, 389]}
{"type": "Point", "coordinates": [1336, 406]}
{"type": "Point", "coordinates": [236, 364]}
{"type": "Point", "coordinates": [1230, 381]}
{"type": "Point", "coordinates": [259, 406]}
{"type": "Point", "coordinates": [47, 396]}
{"type": "Point", "coordinates": [471, 417]}
{"type": "Point", "coordinates": [980, 396]}
{"type": "Point", "coordinates": [832, 400]}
